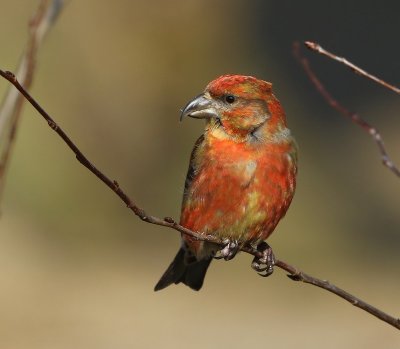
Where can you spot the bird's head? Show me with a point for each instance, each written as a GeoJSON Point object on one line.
{"type": "Point", "coordinates": [238, 107]}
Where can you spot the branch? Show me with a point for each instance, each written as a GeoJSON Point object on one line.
{"type": "Point", "coordinates": [354, 117]}
{"type": "Point", "coordinates": [12, 103]}
{"type": "Point", "coordinates": [294, 273]}
{"type": "Point", "coordinates": [317, 48]}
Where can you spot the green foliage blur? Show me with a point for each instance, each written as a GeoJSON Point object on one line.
{"type": "Point", "coordinates": [77, 269]}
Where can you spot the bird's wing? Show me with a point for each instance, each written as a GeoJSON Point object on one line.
{"type": "Point", "coordinates": [192, 168]}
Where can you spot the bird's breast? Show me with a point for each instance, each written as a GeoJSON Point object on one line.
{"type": "Point", "coordinates": [238, 191]}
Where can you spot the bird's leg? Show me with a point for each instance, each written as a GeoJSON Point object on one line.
{"type": "Point", "coordinates": [264, 265]}
{"type": "Point", "coordinates": [230, 249]}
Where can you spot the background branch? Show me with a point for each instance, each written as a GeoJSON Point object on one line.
{"type": "Point", "coordinates": [11, 106]}
{"type": "Point", "coordinates": [294, 273]}
{"type": "Point", "coordinates": [354, 117]}
{"type": "Point", "coordinates": [317, 48]}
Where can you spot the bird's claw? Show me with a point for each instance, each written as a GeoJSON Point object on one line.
{"type": "Point", "coordinates": [264, 265]}
{"type": "Point", "coordinates": [230, 249]}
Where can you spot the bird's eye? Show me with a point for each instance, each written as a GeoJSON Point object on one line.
{"type": "Point", "coordinates": [229, 99]}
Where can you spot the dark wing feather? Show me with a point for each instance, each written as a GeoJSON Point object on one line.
{"type": "Point", "coordinates": [192, 168]}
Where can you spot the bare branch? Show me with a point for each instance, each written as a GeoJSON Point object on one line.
{"type": "Point", "coordinates": [12, 103]}
{"type": "Point", "coordinates": [294, 273]}
{"type": "Point", "coordinates": [317, 48]}
{"type": "Point", "coordinates": [298, 275]}
{"type": "Point", "coordinates": [354, 117]}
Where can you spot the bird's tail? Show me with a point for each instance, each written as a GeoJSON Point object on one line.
{"type": "Point", "coordinates": [191, 274]}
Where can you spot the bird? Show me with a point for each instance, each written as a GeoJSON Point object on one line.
{"type": "Point", "coordinates": [241, 177]}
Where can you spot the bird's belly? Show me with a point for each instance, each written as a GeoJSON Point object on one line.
{"type": "Point", "coordinates": [234, 202]}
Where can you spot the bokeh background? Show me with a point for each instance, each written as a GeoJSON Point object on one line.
{"type": "Point", "coordinates": [77, 269]}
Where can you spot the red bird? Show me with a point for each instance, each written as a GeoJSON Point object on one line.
{"type": "Point", "coordinates": [241, 178]}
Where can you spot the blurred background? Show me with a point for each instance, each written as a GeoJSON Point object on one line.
{"type": "Point", "coordinates": [77, 269]}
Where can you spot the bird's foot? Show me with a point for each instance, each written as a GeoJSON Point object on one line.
{"type": "Point", "coordinates": [264, 265]}
{"type": "Point", "coordinates": [230, 249]}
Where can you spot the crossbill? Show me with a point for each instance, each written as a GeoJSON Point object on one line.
{"type": "Point", "coordinates": [241, 177]}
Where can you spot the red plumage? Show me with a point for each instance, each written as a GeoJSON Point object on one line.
{"type": "Point", "coordinates": [242, 173]}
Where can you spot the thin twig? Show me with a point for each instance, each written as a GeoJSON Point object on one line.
{"type": "Point", "coordinates": [294, 273]}
{"type": "Point", "coordinates": [354, 117]}
{"type": "Point", "coordinates": [12, 103]}
{"type": "Point", "coordinates": [298, 275]}
{"type": "Point", "coordinates": [317, 48]}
